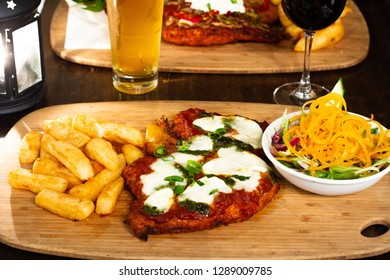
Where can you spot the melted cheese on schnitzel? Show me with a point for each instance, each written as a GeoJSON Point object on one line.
{"type": "Point", "coordinates": [214, 176]}
{"type": "Point", "coordinates": [223, 6]}
{"type": "Point", "coordinates": [243, 168]}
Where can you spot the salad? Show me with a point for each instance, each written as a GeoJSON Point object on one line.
{"type": "Point", "coordinates": [324, 140]}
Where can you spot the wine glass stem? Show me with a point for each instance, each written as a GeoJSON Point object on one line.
{"type": "Point", "coordinates": [304, 92]}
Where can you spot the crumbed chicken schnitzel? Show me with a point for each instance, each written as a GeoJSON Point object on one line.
{"type": "Point", "coordinates": [191, 27]}
{"type": "Point", "coordinates": [213, 178]}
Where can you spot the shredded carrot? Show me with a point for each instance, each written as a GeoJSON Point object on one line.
{"type": "Point", "coordinates": [329, 135]}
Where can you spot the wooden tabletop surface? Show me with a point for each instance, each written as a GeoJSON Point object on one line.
{"type": "Point", "coordinates": [367, 87]}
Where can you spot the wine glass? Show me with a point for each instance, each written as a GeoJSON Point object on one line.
{"type": "Point", "coordinates": [310, 15]}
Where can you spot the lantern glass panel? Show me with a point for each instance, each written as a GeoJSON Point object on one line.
{"type": "Point", "coordinates": [27, 56]}
{"type": "Point", "coordinates": [3, 89]}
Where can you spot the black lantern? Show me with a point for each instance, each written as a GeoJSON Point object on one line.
{"type": "Point", "coordinates": [22, 74]}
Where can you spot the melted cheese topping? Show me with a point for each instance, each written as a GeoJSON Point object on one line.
{"type": "Point", "coordinates": [161, 199]}
{"type": "Point", "coordinates": [201, 143]}
{"type": "Point", "coordinates": [205, 191]}
{"type": "Point", "coordinates": [231, 161]}
{"type": "Point", "coordinates": [248, 131]}
{"type": "Point", "coordinates": [163, 168]}
{"type": "Point", "coordinates": [242, 169]}
{"type": "Point", "coordinates": [223, 6]}
{"type": "Point", "coordinates": [210, 123]}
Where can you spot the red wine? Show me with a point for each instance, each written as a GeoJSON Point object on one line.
{"type": "Point", "coordinates": [313, 15]}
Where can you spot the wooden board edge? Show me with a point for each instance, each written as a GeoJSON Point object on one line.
{"type": "Point", "coordinates": [42, 249]}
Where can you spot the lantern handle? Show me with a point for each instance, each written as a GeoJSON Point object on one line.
{"type": "Point", "coordinates": [40, 8]}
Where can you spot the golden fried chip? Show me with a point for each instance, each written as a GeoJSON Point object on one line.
{"type": "Point", "coordinates": [112, 131]}
{"type": "Point", "coordinates": [23, 179]}
{"type": "Point", "coordinates": [106, 201]}
{"type": "Point", "coordinates": [64, 205]}
{"type": "Point", "coordinates": [29, 149]}
{"type": "Point", "coordinates": [324, 37]}
{"type": "Point", "coordinates": [101, 150]}
{"type": "Point", "coordinates": [86, 125]}
{"type": "Point", "coordinates": [123, 134]}
{"type": "Point", "coordinates": [61, 131]}
{"type": "Point", "coordinates": [45, 154]}
{"type": "Point", "coordinates": [70, 156]}
{"type": "Point", "coordinates": [131, 153]}
{"type": "Point", "coordinates": [54, 168]}
{"type": "Point", "coordinates": [91, 188]}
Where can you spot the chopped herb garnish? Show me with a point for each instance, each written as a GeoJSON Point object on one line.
{"type": "Point", "coordinates": [226, 142]}
{"type": "Point", "coordinates": [193, 206]}
{"type": "Point", "coordinates": [173, 179]}
{"type": "Point", "coordinates": [193, 167]}
{"type": "Point", "coordinates": [205, 114]}
{"type": "Point", "coordinates": [151, 210]}
{"type": "Point", "coordinates": [217, 134]}
{"type": "Point", "coordinates": [200, 183]}
{"type": "Point", "coordinates": [168, 158]}
{"type": "Point", "coordinates": [229, 181]}
{"type": "Point", "coordinates": [160, 151]}
{"type": "Point", "coordinates": [214, 191]}
{"type": "Point", "coordinates": [179, 189]}
{"type": "Point", "coordinates": [183, 145]}
{"type": "Point", "coordinates": [241, 177]}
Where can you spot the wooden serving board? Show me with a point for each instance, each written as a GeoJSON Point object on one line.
{"type": "Point", "coordinates": [295, 225]}
{"type": "Point", "coordinates": [244, 58]}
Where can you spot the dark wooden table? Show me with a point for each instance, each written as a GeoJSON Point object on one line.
{"type": "Point", "coordinates": [367, 85]}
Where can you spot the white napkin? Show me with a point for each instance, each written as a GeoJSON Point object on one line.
{"type": "Point", "coordinates": [86, 29]}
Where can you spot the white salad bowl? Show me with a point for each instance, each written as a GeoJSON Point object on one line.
{"type": "Point", "coordinates": [312, 184]}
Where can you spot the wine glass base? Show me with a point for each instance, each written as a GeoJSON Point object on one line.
{"type": "Point", "coordinates": [288, 94]}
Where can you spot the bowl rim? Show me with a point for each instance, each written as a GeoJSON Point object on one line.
{"type": "Point", "coordinates": [266, 144]}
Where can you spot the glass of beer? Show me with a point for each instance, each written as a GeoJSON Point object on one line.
{"type": "Point", "coordinates": [135, 35]}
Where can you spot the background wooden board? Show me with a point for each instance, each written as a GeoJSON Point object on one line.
{"type": "Point", "coordinates": [296, 225]}
{"type": "Point", "coordinates": [245, 58]}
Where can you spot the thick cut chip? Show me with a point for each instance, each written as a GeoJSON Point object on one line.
{"type": "Point", "coordinates": [131, 153]}
{"type": "Point", "coordinates": [112, 131]}
{"type": "Point", "coordinates": [23, 179]}
{"type": "Point", "coordinates": [29, 149]}
{"type": "Point", "coordinates": [70, 156]}
{"type": "Point", "coordinates": [65, 205]}
{"type": "Point", "coordinates": [49, 167]}
{"type": "Point", "coordinates": [102, 151]}
{"type": "Point", "coordinates": [91, 189]}
{"type": "Point", "coordinates": [62, 131]}
{"type": "Point", "coordinates": [106, 201]}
